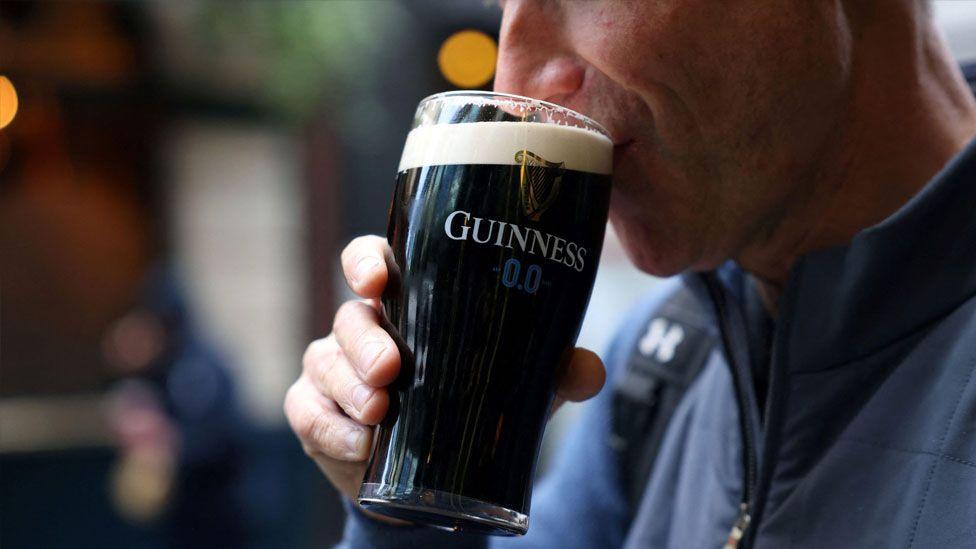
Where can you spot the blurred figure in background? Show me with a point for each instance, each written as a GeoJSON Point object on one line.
{"type": "Point", "coordinates": [90, 307]}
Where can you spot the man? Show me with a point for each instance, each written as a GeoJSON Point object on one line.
{"type": "Point", "coordinates": [808, 166]}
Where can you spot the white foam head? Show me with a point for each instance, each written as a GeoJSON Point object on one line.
{"type": "Point", "coordinates": [498, 142]}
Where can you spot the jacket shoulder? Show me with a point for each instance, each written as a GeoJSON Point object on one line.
{"type": "Point", "coordinates": [634, 321]}
{"type": "Point", "coordinates": [664, 325]}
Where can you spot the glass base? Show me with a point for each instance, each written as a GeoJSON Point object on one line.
{"type": "Point", "coordinates": [442, 510]}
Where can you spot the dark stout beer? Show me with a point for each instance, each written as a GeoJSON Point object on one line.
{"type": "Point", "coordinates": [496, 229]}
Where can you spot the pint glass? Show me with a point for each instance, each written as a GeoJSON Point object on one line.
{"type": "Point", "coordinates": [496, 227]}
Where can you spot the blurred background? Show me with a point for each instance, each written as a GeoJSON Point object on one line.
{"type": "Point", "coordinates": [176, 182]}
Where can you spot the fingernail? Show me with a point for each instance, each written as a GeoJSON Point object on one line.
{"type": "Point", "coordinates": [354, 440]}
{"type": "Point", "coordinates": [360, 396]}
{"type": "Point", "coordinates": [365, 266]}
{"type": "Point", "coordinates": [370, 354]}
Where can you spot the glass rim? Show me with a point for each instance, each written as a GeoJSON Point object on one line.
{"type": "Point", "coordinates": [520, 98]}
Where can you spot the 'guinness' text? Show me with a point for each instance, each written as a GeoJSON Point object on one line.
{"type": "Point", "coordinates": [461, 225]}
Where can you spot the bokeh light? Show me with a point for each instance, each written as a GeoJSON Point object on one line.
{"type": "Point", "coordinates": [467, 58]}
{"type": "Point", "coordinates": [8, 102]}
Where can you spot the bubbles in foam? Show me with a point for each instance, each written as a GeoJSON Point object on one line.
{"type": "Point", "coordinates": [497, 142]}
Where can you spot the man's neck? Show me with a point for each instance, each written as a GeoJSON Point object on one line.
{"type": "Point", "coordinates": [904, 124]}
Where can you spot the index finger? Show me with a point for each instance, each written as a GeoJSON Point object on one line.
{"type": "Point", "coordinates": [364, 265]}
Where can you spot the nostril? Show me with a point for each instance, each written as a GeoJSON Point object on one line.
{"type": "Point", "coordinates": [551, 80]}
{"type": "Point", "coordinates": [559, 78]}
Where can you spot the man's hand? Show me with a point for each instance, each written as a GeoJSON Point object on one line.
{"type": "Point", "coordinates": [342, 390]}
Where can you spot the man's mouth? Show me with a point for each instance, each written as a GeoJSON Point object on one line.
{"type": "Point", "coordinates": [619, 148]}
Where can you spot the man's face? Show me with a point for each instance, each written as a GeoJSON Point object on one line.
{"type": "Point", "coordinates": [719, 110]}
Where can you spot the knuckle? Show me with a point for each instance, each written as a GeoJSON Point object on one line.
{"type": "Point", "coordinates": [356, 248]}
{"type": "Point", "coordinates": [301, 417]}
{"type": "Point", "coordinates": [350, 250]}
{"type": "Point", "coordinates": [326, 372]}
{"type": "Point", "coordinates": [355, 323]}
{"type": "Point", "coordinates": [368, 240]}
{"type": "Point", "coordinates": [314, 426]}
{"type": "Point", "coordinates": [343, 316]}
{"type": "Point", "coordinates": [337, 387]}
{"type": "Point", "coordinates": [308, 422]}
{"type": "Point", "coordinates": [330, 437]}
{"type": "Point", "coordinates": [321, 367]}
{"type": "Point", "coordinates": [359, 242]}
{"type": "Point", "coordinates": [316, 350]}
{"type": "Point", "coordinates": [289, 403]}
{"type": "Point", "coordinates": [321, 370]}
{"type": "Point", "coordinates": [344, 391]}
{"type": "Point", "coordinates": [362, 335]}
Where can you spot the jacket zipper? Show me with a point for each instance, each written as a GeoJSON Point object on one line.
{"type": "Point", "coordinates": [741, 524]}
{"type": "Point", "coordinates": [739, 528]}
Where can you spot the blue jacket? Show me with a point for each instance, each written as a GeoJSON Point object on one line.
{"type": "Point", "coordinates": [868, 433]}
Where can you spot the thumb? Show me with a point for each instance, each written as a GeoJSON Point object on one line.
{"type": "Point", "coordinates": [582, 379]}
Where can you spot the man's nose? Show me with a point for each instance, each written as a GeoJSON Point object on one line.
{"type": "Point", "coordinates": [533, 57]}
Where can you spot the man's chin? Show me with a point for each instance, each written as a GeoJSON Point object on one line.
{"type": "Point", "coordinates": [654, 258]}
{"type": "Point", "coordinates": [661, 255]}
{"type": "Point", "coordinates": [657, 268]}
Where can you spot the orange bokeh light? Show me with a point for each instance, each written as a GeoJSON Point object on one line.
{"type": "Point", "coordinates": [8, 102]}
{"type": "Point", "coordinates": [467, 58]}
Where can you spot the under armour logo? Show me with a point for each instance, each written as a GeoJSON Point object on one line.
{"type": "Point", "coordinates": [661, 340]}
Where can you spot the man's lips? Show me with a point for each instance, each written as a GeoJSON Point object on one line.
{"type": "Point", "coordinates": [621, 148]}
{"type": "Point", "coordinates": [620, 138]}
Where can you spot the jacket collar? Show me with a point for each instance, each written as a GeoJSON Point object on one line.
{"type": "Point", "coordinates": [891, 281]}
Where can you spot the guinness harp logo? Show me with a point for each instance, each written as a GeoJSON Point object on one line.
{"type": "Point", "coordinates": [539, 180]}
